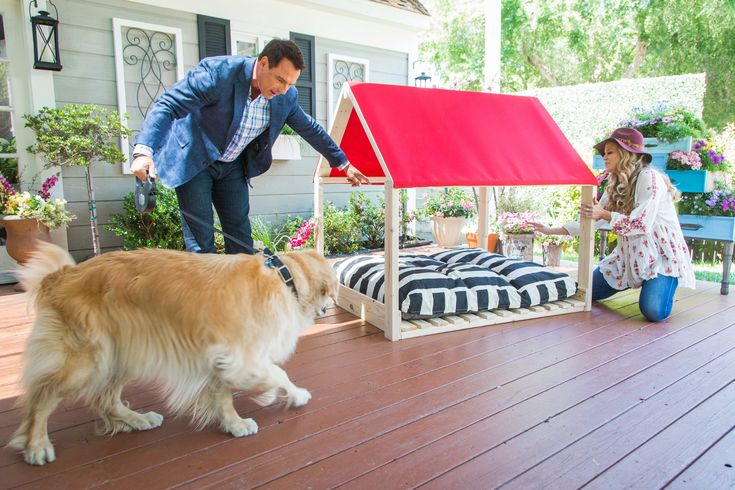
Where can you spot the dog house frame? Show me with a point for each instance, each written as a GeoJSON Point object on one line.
{"type": "Point", "coordinates": [390, 131]}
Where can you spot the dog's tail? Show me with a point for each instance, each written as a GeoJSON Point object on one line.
{"type": "Point", "coordinates": [46, 259]}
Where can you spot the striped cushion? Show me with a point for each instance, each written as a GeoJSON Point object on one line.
{"type": "Point", "coordinates": [428, 287]}
{"type": "Point", "coordinates": [535, 283]}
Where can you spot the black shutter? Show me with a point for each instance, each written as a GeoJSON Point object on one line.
{"type": "Point", "coordinates": [214, 36]}
{"type": "Point", "coordinates": [306, 84]}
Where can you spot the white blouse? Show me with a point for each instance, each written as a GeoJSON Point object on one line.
{"type": "Point", "coordinates": [650, 241]}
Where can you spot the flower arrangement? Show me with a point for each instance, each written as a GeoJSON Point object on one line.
{"type": "Point", "coordinates": [516, 223]}
{"type": "Point", "coordinates": [452, 203]}
{"type": "Point", "coordinates": [684, 160]}
{"type": "Point", "coordinates": [41, 207]}
{"type": "Point", "coordinates": [560, 240]}
{"type": "Point", "coordinates": [304, 235]}
{"type": "Point", "coordinates": [704, 156]}
{"type": "Point", "coordinates": [667, 124]}
{"type": "Point", "coordinates": [720, 202]}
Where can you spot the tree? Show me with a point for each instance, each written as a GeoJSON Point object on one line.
{"type": "Point", "coordinates": [563, 42]}
{"type": "Point", "coordinates": [77, 135]}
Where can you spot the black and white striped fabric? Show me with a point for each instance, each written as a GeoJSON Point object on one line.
{"type": "Point", "coordinates": [535, 283]}
{"type": "Point", "coordinates": [428, 287]}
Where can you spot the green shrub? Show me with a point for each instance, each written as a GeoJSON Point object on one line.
{"type": "Point", "coordinates": [159, 229]}
{"type": "Point", "coordinates": [275, 237]}
{"type": "Point", "coordinates": [369, 217]}
{"type": "Point", "coordinates": [341, 233]}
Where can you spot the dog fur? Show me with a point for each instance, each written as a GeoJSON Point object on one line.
{"type": "Point", "coordinates": [200, 325]}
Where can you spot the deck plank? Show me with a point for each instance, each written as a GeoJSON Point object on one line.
{"type": "Point", "coordinates": [434, 409]}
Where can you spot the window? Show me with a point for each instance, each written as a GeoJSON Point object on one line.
{"type": "Point", "coordinates": [248, 44]}
{"type": "Point", "coordinates": [8, 150]}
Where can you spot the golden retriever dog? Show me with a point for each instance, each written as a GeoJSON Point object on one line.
{"type": "Point", "coordinates": [200, 325]}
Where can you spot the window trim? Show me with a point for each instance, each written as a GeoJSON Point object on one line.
{"type": "Point", "coordinates": [332, 99]}
{"type": "Point", "coordinates": [117, 26]}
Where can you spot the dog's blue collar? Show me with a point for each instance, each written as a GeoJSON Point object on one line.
{"type": "Point", "coordinates": [273, 261]}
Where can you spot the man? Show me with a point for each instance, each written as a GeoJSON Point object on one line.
{"type": "Point", "coordinates": [214, 131]}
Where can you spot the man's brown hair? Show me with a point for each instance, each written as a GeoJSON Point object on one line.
{"type": "Point", "coordinates": [277, 49]}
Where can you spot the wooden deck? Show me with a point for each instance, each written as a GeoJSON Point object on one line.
{"type": "Point", "coordinates": [602, 399]}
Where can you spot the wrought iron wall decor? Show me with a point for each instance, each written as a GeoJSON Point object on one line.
{"type": "Point", "coordinates": [155, 54]}
{"type": "Point", "coordinates": [347, 71]}
{"type": "Point", "coordinates": [46, 52]}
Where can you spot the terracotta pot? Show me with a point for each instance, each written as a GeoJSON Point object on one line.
{"type": "Point", "coordinates": [448, 231]}
{"type": "Point", "coordinates": [23, 235]}
{"type": "Point", "coordinates": [492, 240]}
{"type": "Point", "coordinates": [519, 246]}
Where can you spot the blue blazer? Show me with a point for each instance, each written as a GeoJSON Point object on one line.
{"type": "Point", "coordinates": [189, 127]}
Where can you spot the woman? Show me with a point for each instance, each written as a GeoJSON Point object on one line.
{"type": "Point", "coordinates": [639, 204]}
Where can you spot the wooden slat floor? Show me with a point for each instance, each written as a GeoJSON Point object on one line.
{"type": "Point", "coordinates": [600, 399]}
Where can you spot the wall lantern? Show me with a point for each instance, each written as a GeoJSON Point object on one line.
{"type": "Point", "coordinates": [45, 38]}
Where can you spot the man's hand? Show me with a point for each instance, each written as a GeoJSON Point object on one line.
{"type": "Point", "coordinates": [142, 166]}
{"type": "Point", "coordinates": [355, 177]}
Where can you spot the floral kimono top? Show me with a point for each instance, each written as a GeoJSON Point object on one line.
{"type": "Point", "coordinates": [650, 241]}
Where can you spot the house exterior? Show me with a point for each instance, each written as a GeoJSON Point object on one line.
{"type": "Point", "coordinates": [122, 54]}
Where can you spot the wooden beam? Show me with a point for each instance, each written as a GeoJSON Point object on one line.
{"type": "Point", "coordinates": [337, 131]}
{"type": "Point", "coordinates": [319, 214]}
{"type": "Point", "coordinates": [586, 250]}
{"type": "Point", "coordinates": [392, 328]}
{"type": "Point", "coordinates": [483, 217]}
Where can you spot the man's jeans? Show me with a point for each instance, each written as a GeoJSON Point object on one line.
{"type": "Point", "coordinates": [656, 299]}
{"type": "Point", "coordinates": [224, 185]}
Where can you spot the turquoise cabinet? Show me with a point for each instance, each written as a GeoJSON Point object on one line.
{"type": "Point", "coordinates": [692, 180]}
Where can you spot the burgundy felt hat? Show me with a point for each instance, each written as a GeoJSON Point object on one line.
{"type": "Point", "coordinates": [628, 138]}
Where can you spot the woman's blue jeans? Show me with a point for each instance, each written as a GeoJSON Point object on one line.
{"type": "Point", "coordinates": [224, 185]}
{"type": "Point", "coordinates": [657, 294]}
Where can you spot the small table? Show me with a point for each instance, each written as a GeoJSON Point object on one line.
{"type": "Point", "coordinates": [720, 228]}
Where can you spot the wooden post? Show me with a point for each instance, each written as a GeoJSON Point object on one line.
{"type": "Point", "coordinates": [586, 249]}
{"type": "Point", "coordinates": [319, 214]}
{"type": "Point", "coordinates": [392, 311]}
{"type": "Point", "coordinates": [482, 218]}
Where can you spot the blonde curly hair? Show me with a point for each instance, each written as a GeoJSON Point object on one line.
{"type": "Point", "coordinates": [621, 184]}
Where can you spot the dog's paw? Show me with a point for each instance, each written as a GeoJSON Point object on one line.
{"type": "Point", "coordinates": [152, 420]}
{"type": "Point", "coordinates": [242, 427]}
{"type": "Point", "coordinates": [299, 397]}
{"type": "Point", "coordinates": [39, 454]}
{"type": "Point", "coordinates": [138, 421]}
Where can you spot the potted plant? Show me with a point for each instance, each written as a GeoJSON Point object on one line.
{"type": "Point", "coordinates": [518, 233]}
{"type": "Point", "coordinates": [287, 146]}
{"type": "Point", "coordinates": [552, 246]}
{"type": "Point", "coordinates": [448, 211]}
{"type": "Point", "coordinates": [78, 135]}
{"type": "Point", "coordinates": [696, 170]}
{"type": "Point", "coordinates": [27, 218]}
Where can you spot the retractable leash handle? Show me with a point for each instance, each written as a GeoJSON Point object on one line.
{"type": "Point", "coordinates": [145, 194]}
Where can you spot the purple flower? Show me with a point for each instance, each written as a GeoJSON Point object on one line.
{"type": "Point", "coordinates": [699, 145]}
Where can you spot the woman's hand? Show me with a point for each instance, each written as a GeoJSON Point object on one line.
{"type": "Point", "coordinates": [542, 228]}
{"type": "Point", "coordinates": [594, 211]}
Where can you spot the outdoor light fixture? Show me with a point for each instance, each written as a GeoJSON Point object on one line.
{"type": "Point", "coordinates": [45, 38]}
{"type": "Point", "coordinates": [422, 80]}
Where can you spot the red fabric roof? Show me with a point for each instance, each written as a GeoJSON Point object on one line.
{"type": "Point", "coordinates": [435, 137]}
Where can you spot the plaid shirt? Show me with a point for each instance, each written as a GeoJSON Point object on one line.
{"type": "Point", "coordinates": [255, 119]}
